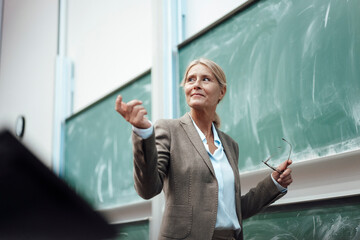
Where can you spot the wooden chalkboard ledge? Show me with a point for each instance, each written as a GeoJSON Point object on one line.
{"type": "Point", "coordinates": [128, 213]}
{"type": "Point", "coordinates": [321, 204]}
{"type": "Point", "coordinates": [316, 179]}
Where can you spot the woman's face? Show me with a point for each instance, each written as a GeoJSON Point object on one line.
{"type": "Point", "coordinates": [202, 90]}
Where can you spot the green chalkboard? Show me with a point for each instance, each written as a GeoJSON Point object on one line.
{"type": "Point", "coordinates": [331, 220]}
{"type": "Point", "coordinates": [293, 71]}
{"type": "Point", "coordinates": [98, 160]}
{"type": "Point", "coordinates": [133, 231]}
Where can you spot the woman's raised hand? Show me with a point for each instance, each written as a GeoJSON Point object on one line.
{"type": "Point", "coordinates": [133, 112]}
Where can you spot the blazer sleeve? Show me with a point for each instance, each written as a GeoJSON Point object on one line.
{"type": "Point", "coordinates": [264, 194]}
{"type": "Point", "coordinates": [259, 197]}
{"type": "Point", "coordinates": [151, 160]}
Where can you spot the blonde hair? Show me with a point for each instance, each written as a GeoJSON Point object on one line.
{"type": "Point", "coordinates": [218, 73]}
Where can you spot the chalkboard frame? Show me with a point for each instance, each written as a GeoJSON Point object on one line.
{"type": "Point", "coordinates": [305, 170]}
{"type": "Point", "coordinates": [72, 176]}
{"type": "Point", "coordinates": [348, 200]}
{"type": "Point", "coordinates": [108, 95]}
{"type": "Point", "coordinates": [237, 10]}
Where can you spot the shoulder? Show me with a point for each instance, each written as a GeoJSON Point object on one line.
{"type": "Point", "coordinates": [166, 126]}
{"type": "Point", "coordinates": [166, 122]}
{"type": "Point", "coordinates": [226, 139]}
{"type": "Point", "coordinates": [173, 122]}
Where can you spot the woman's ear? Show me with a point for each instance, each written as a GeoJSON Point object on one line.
{"type": "Point", "coordinates": [222, 93]}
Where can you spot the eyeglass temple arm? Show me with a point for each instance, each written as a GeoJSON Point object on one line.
{"type": "Point", "coordinates": [289, 145]}
{"type": "Point", "coordinates": [280, 172]}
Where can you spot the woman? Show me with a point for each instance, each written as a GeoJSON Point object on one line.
{"type": "Point", "coordinates": [196, 164]}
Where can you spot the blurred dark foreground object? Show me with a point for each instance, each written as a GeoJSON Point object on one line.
{"type": "Point", "coordinates": [36, 204]}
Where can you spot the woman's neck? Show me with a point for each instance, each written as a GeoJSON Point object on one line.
{"type": "Point", "coordinates": [203, 120]}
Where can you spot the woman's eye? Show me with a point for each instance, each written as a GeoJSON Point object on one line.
{"type": "Point", "coordinates": [206, 79]}
{"type": "Point", "coordinates": [191, 79]}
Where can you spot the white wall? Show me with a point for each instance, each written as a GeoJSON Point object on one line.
{"type": "Point", "coordinates": [27, 70]}
{"type": "Point", "coordinates": [100, 40]}
{"type": "Point", "coordinates": [201, 13]}
{"type": "Point", "coordinates": [109, 43]}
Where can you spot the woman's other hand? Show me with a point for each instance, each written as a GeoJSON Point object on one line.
{"type": "Point", "coordinates": [133, 112]}
{"type": "Point", "coordinates": [284, 179]}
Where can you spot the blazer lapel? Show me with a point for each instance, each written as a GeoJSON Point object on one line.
{"type": "Point", "coordinates": [229, 156]}
{"type": "Point", "coordinates": [194, 138]}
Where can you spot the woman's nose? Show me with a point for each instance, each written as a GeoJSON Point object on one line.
{"type": "Point", "coordinates": [197, 83]}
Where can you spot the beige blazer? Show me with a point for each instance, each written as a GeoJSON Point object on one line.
{"type": "Point", "coordinates": [175, 160]}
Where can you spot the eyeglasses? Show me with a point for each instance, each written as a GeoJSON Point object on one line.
{"type": "Point", "coordinates": [273, 168]}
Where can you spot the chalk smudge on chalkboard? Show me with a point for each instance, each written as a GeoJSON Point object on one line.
{"type": "Point", "coordinates": [340, 220]}
{"type": "Point", "coordinates": [311, 153]}
{"type": "Point", "coordinates": [357, 235]}
{"type": "Point", "coordinates": [110, 178]}
{"type": "Point", "coordinates": [311, 6]}
{"type": "Point", "coordinates": [99, 171]}
{"type": "Point", "coordinates": [310, 37]}
{"type": "Point", "coordinates": [334, 227]}
{"type": "Point", "coordinates": [327, 14]}
{"type": "Point", "coordinates": [313, 88]}
{"type": "Point", "coordinates": [356, 115]}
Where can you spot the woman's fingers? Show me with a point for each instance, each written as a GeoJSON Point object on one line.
{"type": "Point", "coordinates": [281, 168]}
{"type": "Point", "coordinates": [285, 175]}
{"type": "Point", "coordinates": [285, 182]}
{"type": "Point", "coordinates": [133, 112]}
{"type": "Point", "coordinates": [285, 178]}
{"type": "Point", "coordinates": [130, 109]}
{"type": "Point", "coordinates": [120, 106]}
{"type": "Point", "coordinates": [133, 103]}
{"type": "Point", "coordinates": [284, 165]}
{"type": "Point", "coordinates": [137, 114]}
{"type": "Point", "coordinates": [126, 109]}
